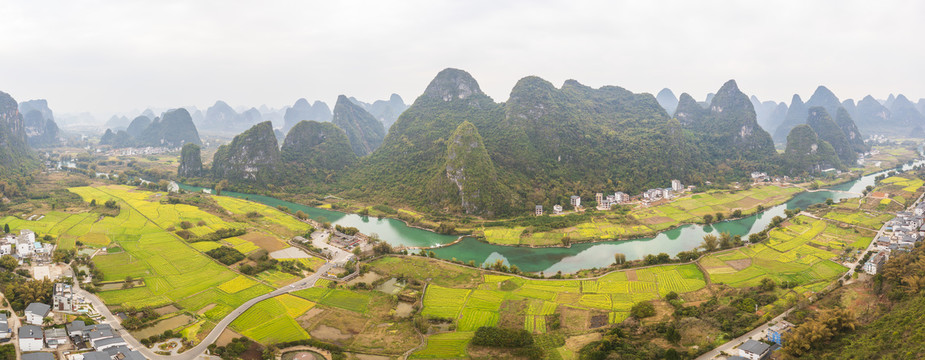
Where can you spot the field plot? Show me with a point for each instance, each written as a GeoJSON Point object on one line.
{"type": "Point", "coordinates": [445, 346]}
{"type": "Point", "coordinates": [345, 299]}
{"type": "Point", "coordinates": [273, 320]}
{"type": "Point", "coordinates": [444, 302]}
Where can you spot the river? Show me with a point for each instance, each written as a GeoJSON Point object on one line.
{"type": "Point", "coordinates": [571, 259]}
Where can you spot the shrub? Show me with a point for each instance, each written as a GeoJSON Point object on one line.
{"type": "Point", "coordinates": [505, 338]}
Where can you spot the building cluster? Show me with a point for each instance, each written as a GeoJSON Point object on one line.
{"type": "Point", "coordinates": [148, 150]}
{"type": "Point", "coordinates": [906, 229]}
{"type": "Point", "coordinates": [100, 339]}
{"type": "Point", "coordinates": [758, 176]}
{"type": "Point", "coordinates": [606, 202]}
{"type": "Point", "coordinates": [24, 246]}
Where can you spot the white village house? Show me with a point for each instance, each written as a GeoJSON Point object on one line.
{"type": "Point", "coordinates": [36, 313]}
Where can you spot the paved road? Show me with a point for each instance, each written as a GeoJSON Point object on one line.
{"type": "Point", "coordinates": [729, 347]}
{"type": "Point", "coordinates": [200, 349]}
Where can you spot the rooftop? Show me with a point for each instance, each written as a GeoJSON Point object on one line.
{"type": "Point", "coordinates": [38, 308]}
{"type": "Point", "coordinates": [30, 332]}
{"type": "Point", "coordinates": [754, 347]}
{"type": "Point", "coordinates": [38, 356]}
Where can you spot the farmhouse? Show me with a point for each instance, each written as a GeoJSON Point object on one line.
{"type": "Point", "coordinates": [556, 209]}
{"type": "Point", "coordinates": [539, 210]}
{"type": "Point", "coordinates": [30, 338]}
{"type": "Point", "coordinates": [754, 350]}
{"type": "Point", "coordinates": [676, 186]}
{"type": "Point", "coordinates": [876, 262]}
{"type": "Point", "coordinates": [575, 200]}
{"type": "Point", "coordinates": [36, 313]}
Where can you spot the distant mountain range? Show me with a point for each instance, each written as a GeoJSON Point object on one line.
{"type": "Point", "coordinates": [39, 122]}
{"type": "Point", "coordinates": [174, 129]}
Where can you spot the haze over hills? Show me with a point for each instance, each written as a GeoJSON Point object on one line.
{"type": "Point", "coordinates": [39, 122]}
{"type": "Point", "coordinates": [173, 130]}
{"type": "Point", "coordinates": [667, 100]}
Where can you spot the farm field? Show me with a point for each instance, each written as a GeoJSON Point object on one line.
{"type": "Point", "coordinates": [497, 299]}
{"type": "Point", "coordinates": [801, 252]}
{"type": "Point", "coordinates": [172, 271]}
{"type": "Point", "coordinates": [273, 320]}
{"type": "Point", "coordinates": [688, 209]}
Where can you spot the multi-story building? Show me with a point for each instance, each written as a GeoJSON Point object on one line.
{"type": "Point", "coordinates": [676, 186]}
{"type": "Point", "coordinates": [575, 201]}
{"type": "Point", "coordinates": [539, 210]}
{"type": "Point", "coordinates": [63, 298]}
{"type": "Point", "coordinates": [556, 209]}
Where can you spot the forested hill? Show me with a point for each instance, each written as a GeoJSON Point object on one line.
{"type": "Point", "coordinates": [547, 143]}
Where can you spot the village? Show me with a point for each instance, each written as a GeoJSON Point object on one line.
{"type": "Point", "coordinates": [610, 200]}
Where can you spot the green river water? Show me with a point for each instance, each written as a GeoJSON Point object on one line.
{"type": "Point", "coordinates": [553, 259]}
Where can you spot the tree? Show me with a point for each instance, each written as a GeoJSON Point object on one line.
{"type": "Point", "coordinates": [301, 215]}
{"type": "Point", "coordinates": [220, 186]}
{"type": "Point", "coordinates": [710, 242]}
{"type": "Point", "coordinates": [767, 284]}
{"type": "Point", "coordinates": [720, 216]}
{"type": "Point", "coordinates": [737, 213]}
{"type": "Point", "coordinates": [725, 240]}
{"type": "Point", "coordinates": [8, 262]}
{"type": "Point", "coordinates": [642, 310]}
{"type": "Point", "coordinates": [6, 228]}
{"type": "Point", "coordinates": [93, 202]}
{"type": "Point", "coordinates": [619, 259]}
{"type": "Point", "coordinates": [129, 282]}
{"type": "Point", "coordinates": [708, 219]}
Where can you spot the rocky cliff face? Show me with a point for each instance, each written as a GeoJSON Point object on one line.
{"type": "Point", "coordinates": [872, 114]}
{"type": "Point", "coordinates": [15, 154]}
{"type": "Point", "coordinates": [826, 129]}
{"type": "Point", "coordinates": [39, 123]}
{"type": "Point", "coordinates": [363, 130]}
{"type": "Point", "coordinates": [190, 161]}
{"type": "Point", "coordinates": [470, 174]}
{"type": "Point", "coordinates": [826, 99]}
{"type": "Point", "coordinates": [252, 156]}
{"type": "Point", "coordinates": [452, 84]}
{"type": "Point", "coordinates": [806, 153]}
{"type": "Point", "coordinates": [846, 123]}
{"type": "Point", "coordinates": [319, 150]}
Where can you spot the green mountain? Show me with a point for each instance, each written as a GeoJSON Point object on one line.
{"type": "Point", "coordinates": [138, 126]}
{"type": "Point", "coordinates": [796, 115]}
{"type": "Point", "coordinates": [873, 117]}
{"type": "Point", "coordinates": [173, 130]}
{"type": "Point", "coordinates": [364, 131]}
{"type": "Point", "coordinates": [850, 129]}
{"type": "Point", "coordinates": [302, 110]}
{"type": "Point", "coordinates": [806, 153]}
{"type": "Point", "coordinates": [825, 98]}
{"type": "Point", "coordinates": [729, 128]}
{"type": "Point", "coordinates": [544, 143]}
{"type": "Point", "coordinates": [386, 111]}
{"type": "Point", "coordinates": [190, 161]}
{"type": "Point", "coordinates": [828, 130]}
{"type": "Point", "coordinates": [317, 150]}
{"type": "Point", "coordinates": [252, 157]}
{"type": "Point", "coordinates": [16, 158]}
{"type": "Point", "coordinates": [667, 100]}
{"type": "Point", "coordinates": [470, 182]}
{"type": "Point", "coordinates": [904, 111]}
{"type": "Point", "coordinates": [118, 139]}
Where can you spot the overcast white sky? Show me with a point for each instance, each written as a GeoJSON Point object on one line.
{"type": "Point", "coordinates": [115, 56]}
